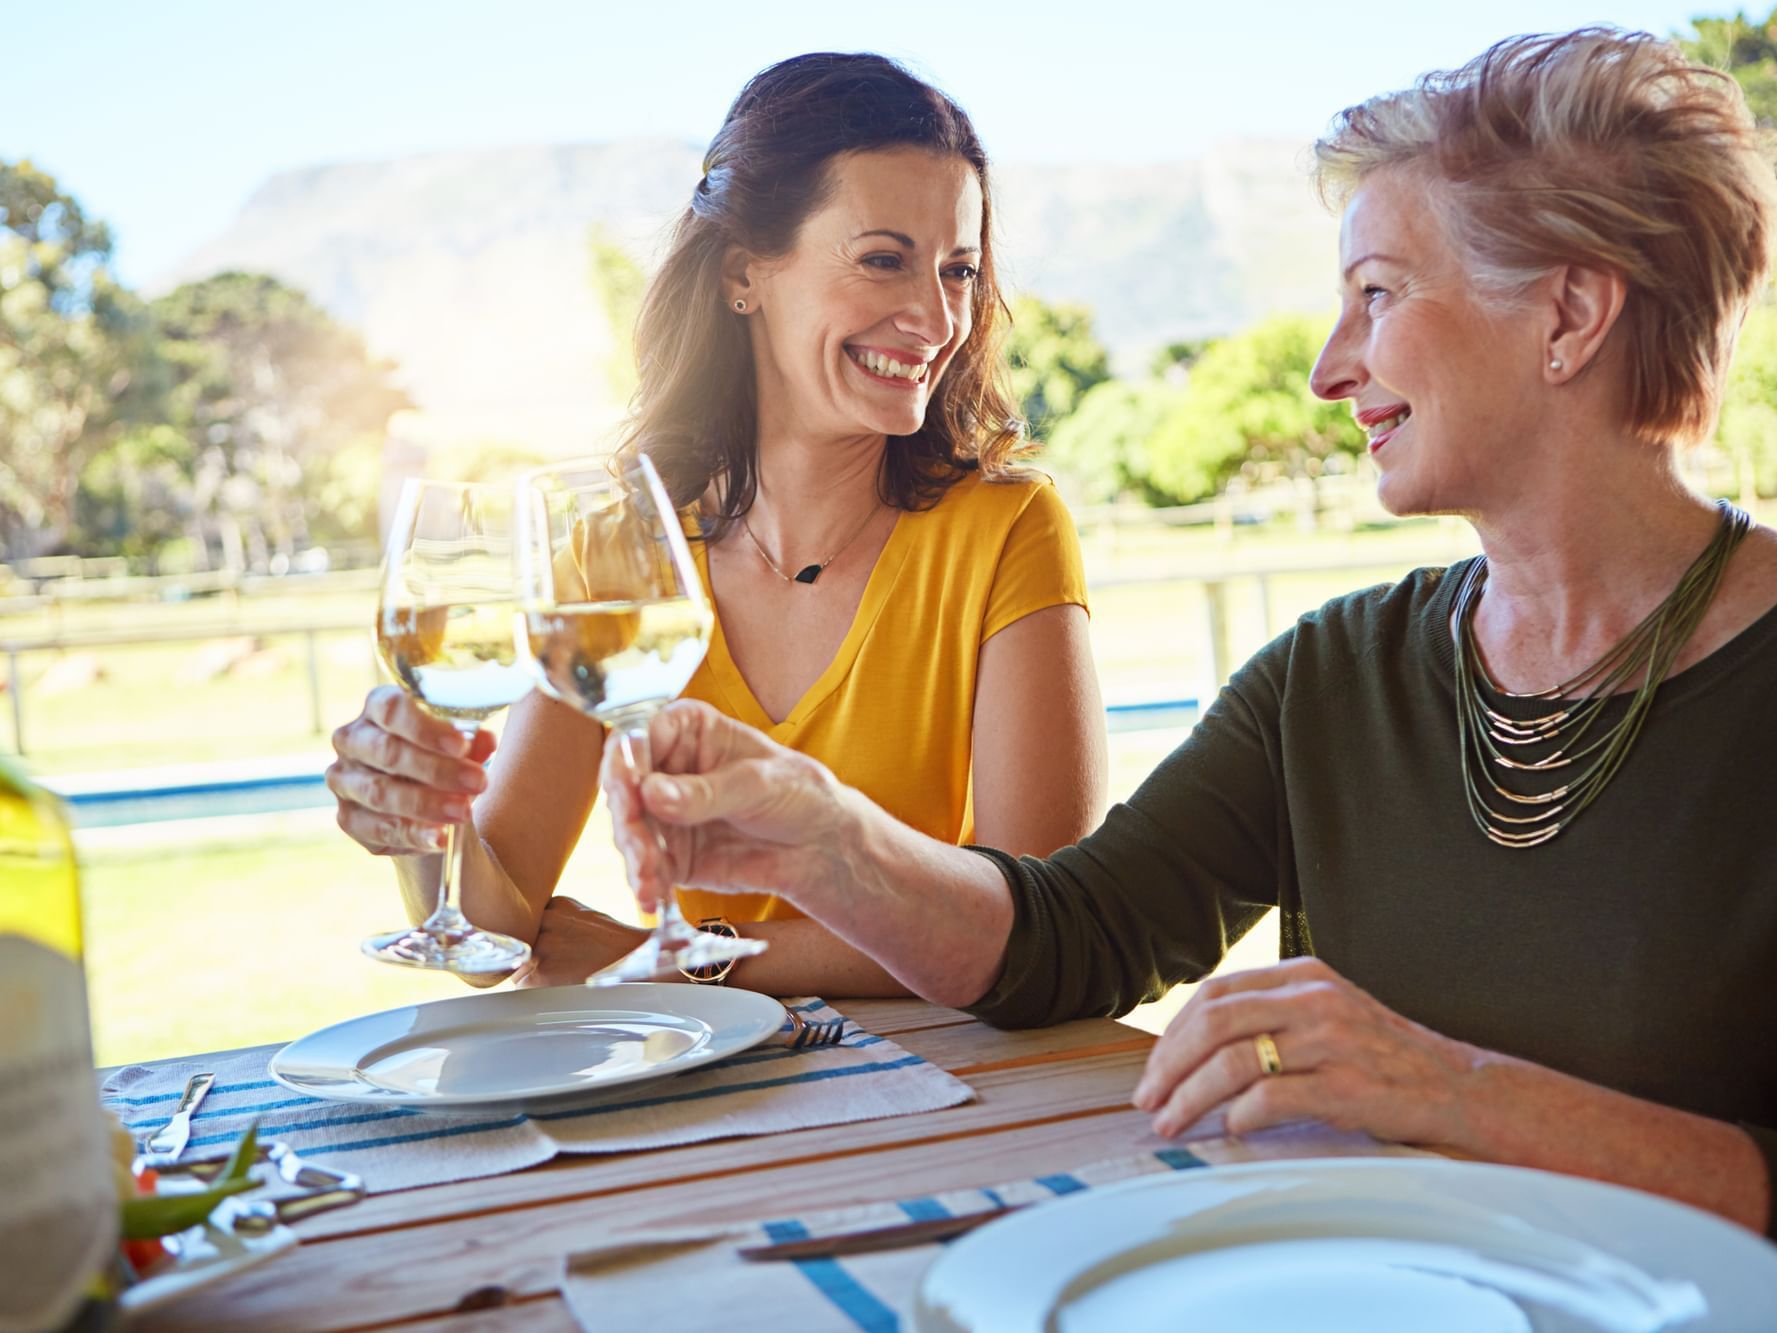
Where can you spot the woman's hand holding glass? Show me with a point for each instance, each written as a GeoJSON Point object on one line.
{"type": "Point", "coordinates": [615, 624]}
{"type": "Point", "coordinates": [402, 775]}
{"type": "Point", "coordinates": [724, 808]}
{"type": "Point", "coordinates": [729, 809]}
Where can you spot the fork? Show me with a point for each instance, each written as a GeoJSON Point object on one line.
{"type": "Point", "coordinates": [805, 1035]}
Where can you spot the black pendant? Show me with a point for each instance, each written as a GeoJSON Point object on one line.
{"type": "Point", "coordinates": [808, 573]}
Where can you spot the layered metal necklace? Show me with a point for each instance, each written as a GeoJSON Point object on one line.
{"type": "Point", "coordinates": [1496, 747]}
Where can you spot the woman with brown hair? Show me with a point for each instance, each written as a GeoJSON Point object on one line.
{"type": "Point", "coordinates": [1514, 815]}
{"type": "Point", "coordinates": [820, 385]}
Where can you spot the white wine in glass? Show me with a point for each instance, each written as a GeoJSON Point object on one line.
{"type": "Point", "coordinates": [616, 624]}
{"type": "Point", "coordinates": [445, 630]}
{"type": "Point", "coordinates": [608, 658]}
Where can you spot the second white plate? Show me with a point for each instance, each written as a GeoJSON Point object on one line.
{"type": "Point", "coordinates": [524, 1047]}
{"type": "Point", "coordinates": [1358, 1245]}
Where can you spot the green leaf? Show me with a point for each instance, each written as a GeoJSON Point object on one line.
{"type": "Point", "coordinates": [246, 1152]}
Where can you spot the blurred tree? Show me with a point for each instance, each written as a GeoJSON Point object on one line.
{"type": "Point", "coordinates": [273, 396]}
{"type": "Point", "coordinates": [1745, 48]}
{"type": "Point", "coordinates": [1054, 360]}
{"type": "Point", "coordinates": [1747, 430]}
{"type": "Point", "coordinates": [1174, 360]}
{"type": "Point", "coordinates": [1247, 411]}
{"type": "Point", "coordinates": [1102, 447]}
{"type": "Point", "coordinates": [619, 282]}
{"type": "Point", "coordinates": [135, 497]}
{"type": "Point", "coordinates": [77, 358]}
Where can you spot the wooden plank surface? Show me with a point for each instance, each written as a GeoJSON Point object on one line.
{"type": "Point", "coordinates": [1052, 1099]}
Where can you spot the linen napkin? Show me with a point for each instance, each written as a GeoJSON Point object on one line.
{"type": "Point", "coordinates": [767, 1090]}
{"type": "Point", "coordinates": [640, 1279]}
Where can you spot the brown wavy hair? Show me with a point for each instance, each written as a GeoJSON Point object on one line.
{"type": "Point", "coordinates": [695, 411]}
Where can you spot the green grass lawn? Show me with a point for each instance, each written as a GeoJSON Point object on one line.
{"type": "Point", "coordinates": [202, 947]}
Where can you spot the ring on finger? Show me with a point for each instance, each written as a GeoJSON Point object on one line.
{"type": "Point", "coordinates": [1265, 1047]}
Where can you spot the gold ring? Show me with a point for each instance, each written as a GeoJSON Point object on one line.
{"type": "Point", "coordinates": [1266, 1049]}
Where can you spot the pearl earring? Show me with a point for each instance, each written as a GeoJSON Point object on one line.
{"type": "Point", "coordinates": [1556, 364]}
{"type": "Point", "coordinates": [741, 306]}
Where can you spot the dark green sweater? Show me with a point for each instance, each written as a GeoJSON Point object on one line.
{"type": "Point", "coordinates": [1637, 950]}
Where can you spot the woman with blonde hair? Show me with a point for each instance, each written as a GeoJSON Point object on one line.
{"type": "Point", "coordinates": [821, 390]}
{"type": "Point", "coordinates": [1513, 813]}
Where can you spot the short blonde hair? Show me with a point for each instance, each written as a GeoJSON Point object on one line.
{"type": "Point", "coordinates": [1602, 149]}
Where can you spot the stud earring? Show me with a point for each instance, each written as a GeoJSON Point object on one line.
{"type": "Point", "coordinates": [741, 306]}
{"type": "Point", "coordinates": [1556, 364]}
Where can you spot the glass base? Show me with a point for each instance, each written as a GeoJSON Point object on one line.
{"type": "Point", "coordinates": [466, 951]}
{"type": "Point", "coordinates": [672, 947]}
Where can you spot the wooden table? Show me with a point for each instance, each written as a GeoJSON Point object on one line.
{"type": "Point", "coordinates": [486, 1254]}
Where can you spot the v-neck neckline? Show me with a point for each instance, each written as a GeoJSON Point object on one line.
{"type": "Point", "coordinates": [743, 704]}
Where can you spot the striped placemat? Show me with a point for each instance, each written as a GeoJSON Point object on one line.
{"type": "Point", "coordinates": [766, 1090]}
{"type": "Point", "coordinates": [638, 1280]}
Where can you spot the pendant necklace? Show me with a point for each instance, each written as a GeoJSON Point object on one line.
{"type": "Point", "coordinates": [808, 573]}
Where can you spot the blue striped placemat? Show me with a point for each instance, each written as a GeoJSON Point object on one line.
{"type": "Point", "coordinates": [766, 1090]}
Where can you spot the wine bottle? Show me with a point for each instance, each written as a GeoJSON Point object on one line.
{"type": "Point", "coordinates": [58, 1208]}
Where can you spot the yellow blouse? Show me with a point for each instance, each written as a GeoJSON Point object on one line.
{"type": "Point", "coordinates": [894, 712]}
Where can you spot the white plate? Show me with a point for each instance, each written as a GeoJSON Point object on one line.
{"type": "Point", "coordinates": [525, 1047]}
{"type": "Point", "coordinates": [1370, 1244]}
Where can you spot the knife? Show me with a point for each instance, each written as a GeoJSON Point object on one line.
{"type": "Point", "coordinates": [169, 1142]}
{"type": "Point", "coordinates": [893, 1237]}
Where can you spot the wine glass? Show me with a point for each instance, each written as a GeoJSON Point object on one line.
{"type": "Point", "coordinates": [445, 629]}
{"type": "Point", "coordinates": [616, 624]}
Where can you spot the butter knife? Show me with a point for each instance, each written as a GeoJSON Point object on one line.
{"type": "Point", "coordinates": [169, 1142]}
{"type": "Point", "coordinates": [894, 1237]}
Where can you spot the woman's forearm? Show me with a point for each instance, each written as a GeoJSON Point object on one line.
{"type": "Point", "coordinates": [936, 917]}
{"type": "Point", "coordinates": [1582, 1129]}
{"type": "Point", "coordinates": [806, 958]}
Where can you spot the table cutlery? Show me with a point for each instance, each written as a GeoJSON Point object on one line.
{"type": "Point", "coordinates": [894, 1237]}
{"type": "Point", "coordinates": [323, 1189]}
{"type": "Point", "coordinates": [166, 1144]}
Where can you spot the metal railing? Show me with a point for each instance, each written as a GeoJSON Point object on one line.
{"type": "Point", "coordinates": [1215, 577]}
{"type": "Point", "coordinates": [310, 629]}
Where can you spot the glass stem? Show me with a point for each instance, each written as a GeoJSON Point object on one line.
{"type": "Point", "coordinates": [633, 737]}
{"type": "Point", "coordinates": [447, 919]}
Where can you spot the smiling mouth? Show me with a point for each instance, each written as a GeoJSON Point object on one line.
{"type": "Point", "coordinates": [1380, 430]}
{"type": "Point", "coordinates": [886, 367]}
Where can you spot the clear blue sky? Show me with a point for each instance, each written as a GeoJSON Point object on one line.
{"type": "Point", "coordinates": [162, 117]}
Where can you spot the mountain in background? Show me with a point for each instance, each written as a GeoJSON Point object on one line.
{"type": "Point", "coordinates": [470, 268]}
